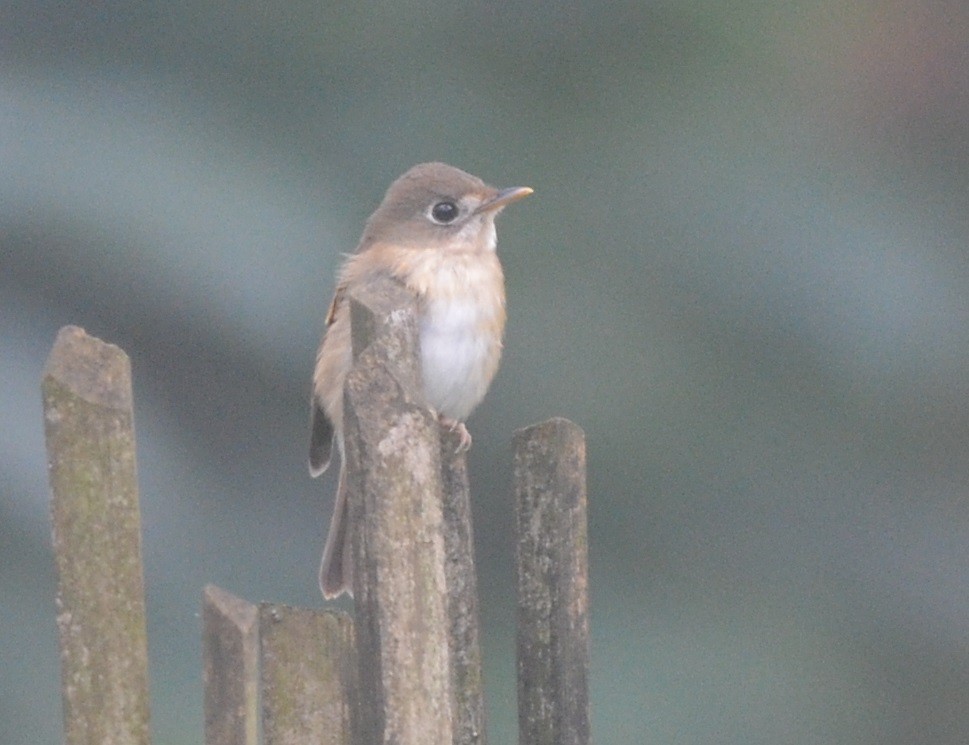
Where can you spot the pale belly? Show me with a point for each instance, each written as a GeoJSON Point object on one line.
{"type": "Point", "coordinates": [460, 350]}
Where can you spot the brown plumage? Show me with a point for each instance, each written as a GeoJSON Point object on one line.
{"type": "Point", "coordinates": [435, 232]}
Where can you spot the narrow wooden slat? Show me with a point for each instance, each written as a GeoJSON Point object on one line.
{"type": "Point", "coordinates": [308, 672]}
{"type": "Point", "coordinates": [230, 650]}
{"type": "Point", "coordinates": [89, 430]}
{"type": "Point", "coordinates": [462, 595]}
{"type": "Point", "coordinates": [395, 500]}
{"type": "Point", "coordinates": [553, 626]}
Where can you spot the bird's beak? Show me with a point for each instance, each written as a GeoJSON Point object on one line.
{"type": "Point", "coordinates": [505, 196]}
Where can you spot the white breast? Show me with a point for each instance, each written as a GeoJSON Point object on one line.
{"type": "Point", "coordinates": [459, 354]}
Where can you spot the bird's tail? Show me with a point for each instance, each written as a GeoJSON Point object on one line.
{"type": "Point", "coordinates": [336, 569]}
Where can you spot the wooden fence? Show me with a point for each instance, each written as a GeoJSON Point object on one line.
{"type": "Point", "coordinates": [406, 669]}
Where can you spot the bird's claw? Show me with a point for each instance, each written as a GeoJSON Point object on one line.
{"type": "Point", "coordinates": [464, 437]}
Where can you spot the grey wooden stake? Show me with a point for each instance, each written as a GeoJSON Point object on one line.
{"type": "Point", "coordinates": [89, 429]}
{"type": "Point", "coordinates": [230, 650]}
{"type": "Point", "coordinates": [309, 672]}
{"type": "Point", "coordinates": [462, 595]}
{"type": "Point", "coordinates": [553, 625]}
{"type": "Point", "coordinates": [393, 453]}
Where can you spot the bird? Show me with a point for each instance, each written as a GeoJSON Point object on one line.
{"type": "Point", "coordinates": [434, 232]}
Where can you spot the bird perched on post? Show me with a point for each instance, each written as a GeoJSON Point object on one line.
{"type": "Point", "coordinates": [434, 231]}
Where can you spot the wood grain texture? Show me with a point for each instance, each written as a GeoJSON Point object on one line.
{"type": "Point", "coordinates": [89, 432]}
{"type": "Point", "coordinates": [230, 658]}
{"type": "Point", "coordinates": [393, 456]}
{"type": "Point", "coordinates": [553, 605]}
{"type": "Point", "coordinates": [308, 675]}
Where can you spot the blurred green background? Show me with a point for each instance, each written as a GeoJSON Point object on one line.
{"type": "Point", "coordinates": [744, 272]}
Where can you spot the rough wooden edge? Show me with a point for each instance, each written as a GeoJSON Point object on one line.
{"type": "Point", "coordinates": [553, 626]}
{"type": "Point", "coordinates": [308, 675]}
{"type": "Point", "coordinates": [230, 651]}
{"type": "Point", "coordinates": [462, 594]}
{"type": "Point", "coordinates": [395, 499]}
{"type": "Point", "coordinates": [89, 431]}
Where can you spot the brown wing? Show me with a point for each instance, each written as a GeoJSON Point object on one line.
{"type": "Point", "coordinates": [321, 428]}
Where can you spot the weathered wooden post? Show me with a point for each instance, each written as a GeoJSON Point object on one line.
{"type": "Point", "coordinates": [416, 614]}
{"type": "Point", "coordinates": [462, 597]}
{"type": "Point", "coordinates": [230, 665]}
{"type": "Point", "coordinates": [296, 666]}
{"type": "Point", "coordinates": [553, 605]}
{"type": "Point", "coordinates": [307, 675]}
{"type": "Point", "coordinates": [89, 429]}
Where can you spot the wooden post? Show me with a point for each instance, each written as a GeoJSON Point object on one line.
{"type": "Point", "coordinates": [553, 624]}
{"type": "Point", "coordinates": [462, 596]}
{"type": "Point", "coordinates": [308, 675]}
{"type": "Point", "coordinates": [300, 663]}
{"type": "Point", "coordinates": [230, 652]}
{"type": "Point", "coordinates": [405, 619]}
{"type": "Point", "coordinates": [89, 429]}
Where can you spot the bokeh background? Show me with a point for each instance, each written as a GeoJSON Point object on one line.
{"type": "Point", "coordinates": [744, 272]}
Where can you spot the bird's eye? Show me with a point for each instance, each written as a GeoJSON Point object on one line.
{"type": "Point", "coordinates": [444, 212]}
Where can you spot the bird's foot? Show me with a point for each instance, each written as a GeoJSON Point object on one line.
{"type": "Point", "coordinates": [464, 437]}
